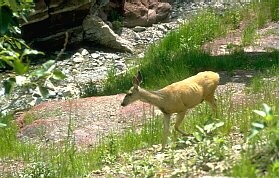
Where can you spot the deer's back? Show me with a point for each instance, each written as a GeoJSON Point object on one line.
{"type": "Point", "coordinates": [188, 93]}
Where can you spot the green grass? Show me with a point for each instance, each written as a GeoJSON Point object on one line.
{"type": "Point", "coordinates": [179, 54]}
{"type": "Point", "coordinates": [65, 160]}
{"type": "Point", "coordinates": [249, 34]}
{"type": "Point", "coordinates": [244, 169]}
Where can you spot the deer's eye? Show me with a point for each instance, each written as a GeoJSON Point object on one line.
{"type": "Point", "coordinates": [129, 94]}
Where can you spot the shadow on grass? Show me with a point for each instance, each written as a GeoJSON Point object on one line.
{"type": "Point", "coordinates": [160, 72]}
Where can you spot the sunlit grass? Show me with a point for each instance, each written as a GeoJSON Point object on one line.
{"type": "Point", "coordinates": [65, 160]}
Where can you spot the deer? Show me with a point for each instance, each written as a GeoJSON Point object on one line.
{"type": "Point", "coordinates": [176, 98]}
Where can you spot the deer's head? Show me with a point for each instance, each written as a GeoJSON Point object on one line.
{"type": "Point", "coordinates": [133, 93]}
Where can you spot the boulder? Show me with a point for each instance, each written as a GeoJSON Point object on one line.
{"type": "Point", "coordinates": [86, 20]}
{"type": "Point", "coordinates": [97, 31]}
{"type": "Point", "coordinates": [145, 12]}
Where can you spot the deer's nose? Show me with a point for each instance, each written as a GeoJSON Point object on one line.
{"type": "Point", "coordinates": [123, 104]}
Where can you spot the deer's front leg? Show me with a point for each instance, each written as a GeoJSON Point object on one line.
{"type": "Point", "coordinates": [179, 119]}
{"type": "Point", "coordinates": [166, 131]}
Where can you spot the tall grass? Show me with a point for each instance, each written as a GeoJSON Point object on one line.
{"type": "Point", "coordinates": [180, 54]}
{"type": "Point", "coordinates": [65, 160]}
{"type": "Point", "coordinates": [167, 59]}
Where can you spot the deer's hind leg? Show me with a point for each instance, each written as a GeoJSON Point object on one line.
{"type": "Point", "coordinates": [166, 131]}
{"type": "Point", "coordinates": [212, 102]}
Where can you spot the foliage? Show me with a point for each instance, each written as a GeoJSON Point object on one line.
{"type": "Point", "coordinates": [88, 89]}
{"type": "Point", "coordinates": [249, 34]}
{"type": "Point", "coordinates": [117, 25]}
{"type": "Point", "coordinates": [15, 53]}
{"type": "Point", "coordinates": [2, 125]}
{"type": "Point", "coordinates": [263, 147]}
{"type": "Point", "coordinates": [210, 147]}
{"type": "Point", "coordinates": [273, 6]}
{"type": "Point", "coordinates": [267, 115]}
{"type": "Point", "coordinates": [38, 169]}
{"type": "Point", "coordinates": [244, 169]}
{"type": "Point", "coordinates": [20, 8]}
{"type": "Point", "coordinates": [233, 17]}
{"type": "Point", "coordinates": [116, 19]}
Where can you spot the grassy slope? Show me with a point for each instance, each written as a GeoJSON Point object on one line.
{"type": "Point", "coordinates": [179, 54]}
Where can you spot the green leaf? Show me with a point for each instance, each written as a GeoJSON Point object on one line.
{"type": "Point", "coordinates": [275, 166]}
{"type": "Point", "coordinates": [261, 113]}
{"type": "Point", "coordinates": [58, 75]}
{"type": "Point", "coordinates": [220, 124]}
{"type": "Point", "coordinates": [9, 53]}
{"type": "Point", "coordinates": [267, 109]}
{"type": "Point", "coordinates": [48, 64]}
{"type": "Point", "coordinates": [209, 127]}
{"type": "Point", "coordinates": [18, 44]}
{"type": "Point", "coordinates": [43, 91]}
{"type": "Point", "coordinates": [2, 125]}
{"type": "Point", "coordinates": [197, 136]}
{"type": "Point", "coordinates": [9, 85]}
{"type": "Point", "coordinates": [19, 67]}
{"type": "Point", "coordinates": [269, 117]}
{"type": "Point", "coordinates": [14, 4]}
{"type": "Point", "coordinates": [28, 51]}
{"type": "Point", "coordinates": [253, 134]}
{"type": "Point", "coordinates": [200, 129]}
{"type": "Point", "coordinates": [258, 125]}
{"type": "Point", "coordinates": [41, 72]}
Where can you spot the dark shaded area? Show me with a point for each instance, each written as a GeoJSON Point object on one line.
{"type": "Point", "coordinates": [194, 62]}
{"type": "Point", "coordinates": [46, 28]}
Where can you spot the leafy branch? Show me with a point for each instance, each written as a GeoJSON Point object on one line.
{"type": "Point", "coordinates": [15, 54]}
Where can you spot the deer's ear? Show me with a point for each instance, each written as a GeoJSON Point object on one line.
{"type": "Point", "coordinates": [139, 77]}
{"type": "Point", "coordinates": [137, 80]}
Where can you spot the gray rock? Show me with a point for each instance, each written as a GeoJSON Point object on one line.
{"type": "Point", "coordinates": [139, 29]}
{"type": "Point", "coordinates": [98, 31]}
{"type": "Point", "coordinates": [84, 52]}
{"type": "Point", "coordinates": [95, 55]}
{"type": "Point", "coordinates": [137, 37]}
{"type": "Point", "coordinates": [78, 58]}
{"type": "Point", "coordinates": [112, 56]}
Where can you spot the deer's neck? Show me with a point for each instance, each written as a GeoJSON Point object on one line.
{"type": "Point", "coordinates": [151, 97]}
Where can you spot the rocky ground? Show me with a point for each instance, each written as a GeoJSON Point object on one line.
{"type": "Point", "coordinates": [91, 64]}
